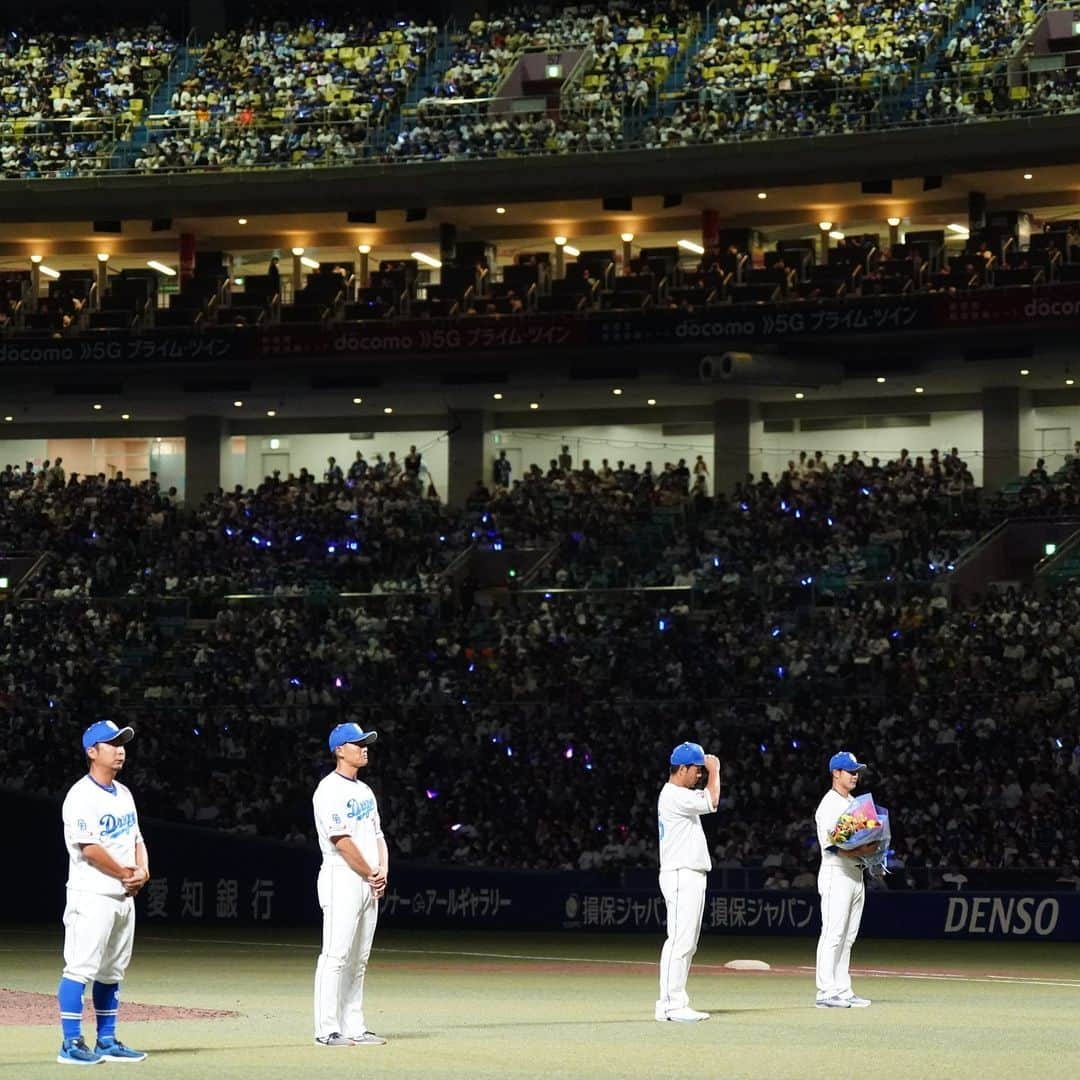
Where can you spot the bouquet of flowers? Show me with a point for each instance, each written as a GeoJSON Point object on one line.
{"type": "Point", "coordinates": [864, 823]}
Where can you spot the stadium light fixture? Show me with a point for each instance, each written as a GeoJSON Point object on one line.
{"type": "Point", "coordinates": [960, 230]}
{"type": "Point", "coordinates": [161, 268]}
{"type": "Point", "coordinates": [1069, 382]}
{"type": "Point", "coordinates": [919, 389]}
{"type": "Point", "coordinates": [388, 409]}
{"type": "Point", "coordinates": [880, 379]}
{"type": "Point", "coordinates": [364, 249]}
{"type": "Point", "coordinates": [1027, 176]}
{"type": "Point", "coordinates": [311, 264]}
{"type": "Point", "coordinates": [799, 395]}
{"type": "Point", "coordinates": [651, 401]}
{"type": "Point", "coordinates": [271, 412]}
{"type": "Point", "coordinates": [570, 250]}
{"type": "Point", "coordinates": [617, 391]}
{"type": "Point", "coordinates": [35, 259]}
{"type": "Point", "coordinates": [8, 419]}
{"type": "Point", "coordinates": [559, 240]}
{"type": "Point", "coordinates": [836, 234]}
{"type": "Point", "coordinates": [626, 237]}
{"type": "Point", "coordinates": [298, 251]}
{"type": "Point", "coordinates": [97, 406]}
{"type": "Point", "coordinates": [824, 226]}
{"type": "Point", "coordinates": [534, 405]}
{"type": "Point", "coordinates": [892, 222]}
{"type": "Point", "coordinates": [238, 404]}
{"type": "Point", "coordinates": [358, 401]}
{"type": "Point", "coordinates": [762, 195]}
{"type": "Point", "coordinates": [500, 209]}
{"type": "Point", "coordinates": [241, 221]}
{"type": "Point", "coordinates": [427, 260]}
{"type": "Point", "coordinates": [102, 256]}
{"type": "Point", "coordinates": [1025, 371]}
{"type": "Point", "coordinates": [125, 416]}
{"type": "Point", "coordinates": [689, 245]}
{"type": "Point", "coordinates": [496, 396]}
{"type": "Point", "coordinates": [49, 272]}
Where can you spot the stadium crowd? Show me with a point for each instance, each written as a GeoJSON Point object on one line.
{"type": "Point", "coordinates": [301, 92]}
{"type": "Point", "coordinates": [567, 709]}
{"type": "Point", "coordinates": [563, 702]}
{"type": "Point", "coordinates": [67, 98]}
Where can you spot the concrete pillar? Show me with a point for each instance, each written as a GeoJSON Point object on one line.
{"type": "Point", "coordinates": [731, 442]}
{"type": "Point", "coordinates": [204, 437]}
{"type": "Point", "coordinates": [465, 464]}
{"type": "Point", "coordinates": [1001, 435]}
{"type": "Point", "coordinates": [101, 279]}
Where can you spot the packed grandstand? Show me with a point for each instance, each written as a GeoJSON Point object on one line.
{"type": "Point", "coordinates": [812, 594]}
{"type": "Point", "coordinates": [301, 92]}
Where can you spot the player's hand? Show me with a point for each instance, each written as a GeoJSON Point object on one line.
{"type": "Point", "coordinates": [712, 761]}
{"type": "Point", "coordinates": [134, 880]}
{"type": "Point", "coordinates": [377, 878]}
{"type": "Point", "coordinates": [379, 891]}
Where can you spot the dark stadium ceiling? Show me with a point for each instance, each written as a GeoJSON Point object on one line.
{"type": "Point", "coordinates": [1052, 193]}
{"type": "Point", "coordinates": [156, 402]}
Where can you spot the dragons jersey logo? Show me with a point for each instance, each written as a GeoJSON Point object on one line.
{"type": "Point", "coordinates": [360, 810]}
{"type": "Point", "coordinates": [113, 826]}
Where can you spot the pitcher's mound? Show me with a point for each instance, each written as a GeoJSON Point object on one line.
{"type": "Point", "coordinates": [20, 1008]}
{"type": "Point", "coordinates": [748, 965]}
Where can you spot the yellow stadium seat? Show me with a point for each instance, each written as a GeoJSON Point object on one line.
{"type": "Point", "coordinates": [1018, 93]}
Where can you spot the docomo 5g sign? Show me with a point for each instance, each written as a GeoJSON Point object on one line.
{"type": "Point", "coordinates": [1021, 916]}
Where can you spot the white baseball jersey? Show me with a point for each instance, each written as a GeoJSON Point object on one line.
{"type": "Point", "coordinates": [94, 814]}
{"type": "Point", "coordinates": [825, 818]}
{"type": "Point", "coordinates": [345, 807]}
{"type": "Point", "coordinates": [682, 839]}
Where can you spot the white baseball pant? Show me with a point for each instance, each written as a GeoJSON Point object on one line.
{"type": "Point", "coordinates": [842, 896]}
{"type": "Point", "coordinates": [350, 912]}
{"type": "Point", "coordinates": [99, 932]}
{"type": "Point", "coordinates": [684, 895]}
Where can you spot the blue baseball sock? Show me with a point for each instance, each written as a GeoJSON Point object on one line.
{"type": "Point", "coordinates": [70, 995]}
{"type": "Point", "coordinates": [106, 1005]}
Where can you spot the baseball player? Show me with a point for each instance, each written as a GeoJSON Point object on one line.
{"type": "Point", "coordinates": [108, 865]}
{"type": "Point", "coordinates": [684, 862]}
{"type": "Point", "coordinates": [840, 884]}
{"type": "Point", "coordinates": [351, 881]}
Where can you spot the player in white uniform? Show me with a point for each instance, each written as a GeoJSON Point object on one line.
{"type": "Point", "coordinates": [351, 881]}
{"type": "Point", "coordinates": [684, 864]}
{"type": "Point", "coordinates": [840, 884]}
{"type": "Point", "coordinates": [108, 865]}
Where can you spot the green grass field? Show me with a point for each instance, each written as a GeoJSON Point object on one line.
{"type": "Point", "coordinates": [571, 1005]}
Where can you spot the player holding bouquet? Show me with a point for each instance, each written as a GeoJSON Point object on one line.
{"type": "Point", "coordinates": [852, 833]}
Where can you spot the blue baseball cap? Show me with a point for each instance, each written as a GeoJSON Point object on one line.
{"type": "Point", "coordinates": [344, 733]}
{"type": "Point", "coordinates": [845, 760]}
{"type": "Point", "coordinates": [688, 753]}
{"type": "Point", "coordinates": [106, 731]}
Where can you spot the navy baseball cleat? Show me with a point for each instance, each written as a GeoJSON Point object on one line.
{"type": "Point", "coordinates": [76, 1052]}
{"type": "Point", "coordinates": [113, 1050]}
